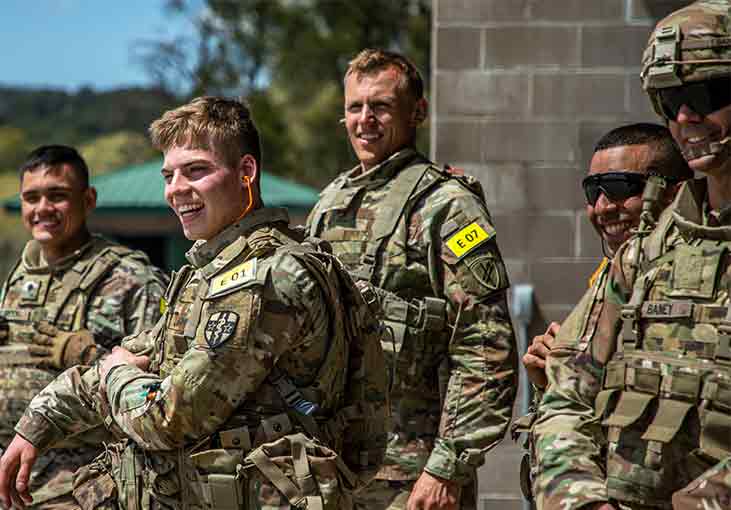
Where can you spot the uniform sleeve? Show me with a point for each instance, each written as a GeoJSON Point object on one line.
{"type": "Point", "coordinates": [125, 303]}
{"type": "Point", "coordinates": [249, 331]}
{"type": "Point", "coordinates": [570, 442]}
{"type": "Point", "coordinates": [482, 357]}
{"type": "Point", "coordinates": [69, 412]}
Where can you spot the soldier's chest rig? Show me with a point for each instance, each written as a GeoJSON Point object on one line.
{"type": "Point", "coordinates": [668, 386]}
{"type": "Point", "coordinates": [361, 223]}
{"type": "Point", "coordinates": [61, 298]}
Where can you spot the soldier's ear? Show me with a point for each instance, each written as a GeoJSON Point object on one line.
{"type": "Point", "coordinates": [421, 109]}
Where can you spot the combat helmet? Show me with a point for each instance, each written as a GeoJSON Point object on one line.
{"type": "Point", "coordinates": [691, 45]}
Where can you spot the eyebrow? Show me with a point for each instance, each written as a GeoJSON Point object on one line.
{"type": "Point", "coordinates": [189, 163]}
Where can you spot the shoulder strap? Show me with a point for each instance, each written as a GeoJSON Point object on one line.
{"type": "Point", "coordinates": [84, 279]}
{"type": "Point", "coordinates": [329, 197]}
{"type": "Point", "coordinates": [399, 200]}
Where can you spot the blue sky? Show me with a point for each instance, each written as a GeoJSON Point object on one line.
{"type": "Point", "coordinates": [71, 43]}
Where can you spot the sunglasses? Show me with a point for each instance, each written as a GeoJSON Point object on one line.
{"type": "Point", "coordinates": [703, 98]}
{"type": "Point", "coordinates": [617, 186]}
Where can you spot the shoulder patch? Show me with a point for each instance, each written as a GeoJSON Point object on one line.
{"type": "Point", "coordinates": [233, 278]}
{"type": "Point", "coordinates": [220, 328]}
{"type": "Point", "coordinates": [467, 239]}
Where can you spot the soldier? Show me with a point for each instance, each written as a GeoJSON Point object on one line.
{"type": "Point", "coordinates": [622, 161]}
{"type": "Point", "coordinates": [71, 297]}
{"type": "Point", "coordinates": [216, 406]}
{"type": "Point", "coordinates": [641, 417]}
{"type": "Point", "coordinates": [424, 236]}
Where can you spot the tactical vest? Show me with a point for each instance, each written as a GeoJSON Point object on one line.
{"type": "Point", "coordinates": [274, 437]}
{"type": "Point", "coordinates": [422, 317]}
{"type": "Point", "coordinates": [666, 398]}
{"type": "Point", "coordinates": [27, 300]}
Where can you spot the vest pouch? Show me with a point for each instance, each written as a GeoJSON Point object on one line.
{"type": "Point", "coordinates": [695, 270]}
{"type": "Point", "coordinates": [297, 472]}
{"type": "Point", "coordinates": [715, 440]}
{"type": "Point", "coordinates": [94, 486]}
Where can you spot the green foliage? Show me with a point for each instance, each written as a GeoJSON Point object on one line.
{"type": "Point", "coordinates": [288, 58]}
{"type": "Point", "coordinates": [14, 144]}
{"type": "Point", "coordinates": [33, 117]}
{"type": "Point", "coordinates": [116, 150]}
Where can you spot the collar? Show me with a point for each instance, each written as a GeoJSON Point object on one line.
{"type": "Point", "coordinates": [203, 252]}
{"type": "Point", "coordinates": [33, 260]}
{"type": "Point", "coordinates": [384, 171]}
{"type": "Point", "coordinates": [692, 217]}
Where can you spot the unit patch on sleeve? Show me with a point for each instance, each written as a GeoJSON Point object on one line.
{"type": "Point", "coordinates": [220, 328]}
{"type": "Point", "coordinates": [233, 279]}
{"type": "Point", "coordinates": [467, 239]}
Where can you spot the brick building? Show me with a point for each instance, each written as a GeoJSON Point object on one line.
{"type": "Point", "coordinates": [521, 91]}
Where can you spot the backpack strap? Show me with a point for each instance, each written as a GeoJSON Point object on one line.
{"type": "Point", "coordinates": [399, 200]}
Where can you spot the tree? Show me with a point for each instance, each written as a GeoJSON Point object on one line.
{"type": "Point", "coordinates": [287, 58]}
{"type": "Point", "coordinates": [116, 150]}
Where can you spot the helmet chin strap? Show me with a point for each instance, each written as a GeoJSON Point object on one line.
{"type": "Point", "coordinates": [719, 148]}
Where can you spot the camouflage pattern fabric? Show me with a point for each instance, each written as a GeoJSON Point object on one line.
{"type": "Point", "coordinates": [644, 410]}
{"type": "Point", "coordinates": [103, 287]}
{"type": "Point", "coordinates": [579, 327]}
{"type": "Point", "coordinates": [452, 390]}
{"type": "Point", "coordinates": [207, 404]}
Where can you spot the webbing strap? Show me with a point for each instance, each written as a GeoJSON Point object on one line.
{"type": "Point", "coordinates": [275, 475]}
{"type": "Point", "coordinates": [406, 183]}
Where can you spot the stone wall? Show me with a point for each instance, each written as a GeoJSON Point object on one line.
{"type": "Point", "coordinates": [521, 91]}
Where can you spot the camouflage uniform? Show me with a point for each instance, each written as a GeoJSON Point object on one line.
{"type": "Point", "coordinates": [578, 327]}
{"type": "Point", "coordinates": [423, 235]}
{"type": "Point", "coordinates": [247, 309]}
{"type": "Point", "coordinates": [636, 416]}
{"type": "Point", "coordinates": [102, 287]}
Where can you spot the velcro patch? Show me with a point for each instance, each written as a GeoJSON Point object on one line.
{"type": "Point", "coordinates": [467, 239]}
{"type": "Point", "coordinates": [666, 309]}
{"type": "Point", "coordinates": [220, 328]}
{"type": "Point", "coordinates": [233, 278]}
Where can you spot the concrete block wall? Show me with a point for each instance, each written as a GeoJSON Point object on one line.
{"type": "Point", "coordinates": [520, 92]}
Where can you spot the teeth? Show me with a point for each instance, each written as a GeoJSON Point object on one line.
{"type": "Point", "coordinates": [182, 209]}
{"type": "Point", "coordinates": [370, 138]}
{"type": "Point", "coordinates": [696, 139]}
{"type": "Point", "coordinates": [616, 228]}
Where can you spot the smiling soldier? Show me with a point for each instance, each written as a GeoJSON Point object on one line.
{"type": "Point", "coordinates": [239, 396]}
{"type": "Point", "coordinates": [71, 297]}
{"type": "Point", "coordinates": [424, 236]}
{"type": "Point", "coordinates": [641, 416]}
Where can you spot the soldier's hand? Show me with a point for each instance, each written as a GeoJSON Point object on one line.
{"type": "Point", "coordinates": [59, 349]}
{"type": "Point", "coordinates": [15, 467]}
{"type": "Point", "coordinates": [432, 493]}
{"type": "Point", "coordinates": [120, 356]}
{"type": "Point", "coordinates": [534, 359]}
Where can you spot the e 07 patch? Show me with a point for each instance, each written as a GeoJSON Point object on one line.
{"type": "Point", "coordinates": [467, 239]}
{"type": "Point", "coordinates": [220, 328]}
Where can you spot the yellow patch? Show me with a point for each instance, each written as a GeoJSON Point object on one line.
{"type": "Point", "coordinates": [467, 239]}
{"type": "Point", "coordinates": [233, 278]}
{"type": "Point", "coordinates": [163, 305]}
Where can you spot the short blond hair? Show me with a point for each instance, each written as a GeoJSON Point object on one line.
{"type": "Point", "coordinates": [221, 125]}
{"type": "Point", "coordinates": [371, 61]}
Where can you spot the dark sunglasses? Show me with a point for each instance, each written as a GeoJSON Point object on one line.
{"type": "Point", "coordinates": [616, 186]}
{"type": "Point", "coordinates": [703, 98]}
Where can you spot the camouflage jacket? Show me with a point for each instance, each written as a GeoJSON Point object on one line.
{"type": "Point", "coordinates": [452, 355]}
{"type": "Point", "coordinates": [638, 412]}
{"type": "Point", "coordinates": [579, 326]}
{"type": "Point", "coordinates": [243, 306]}
{"type": "Point", "coordinates": [103, 287]}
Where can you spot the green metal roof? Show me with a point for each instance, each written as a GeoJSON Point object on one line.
{"type": "Point", "coordinates": [140, 188]}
